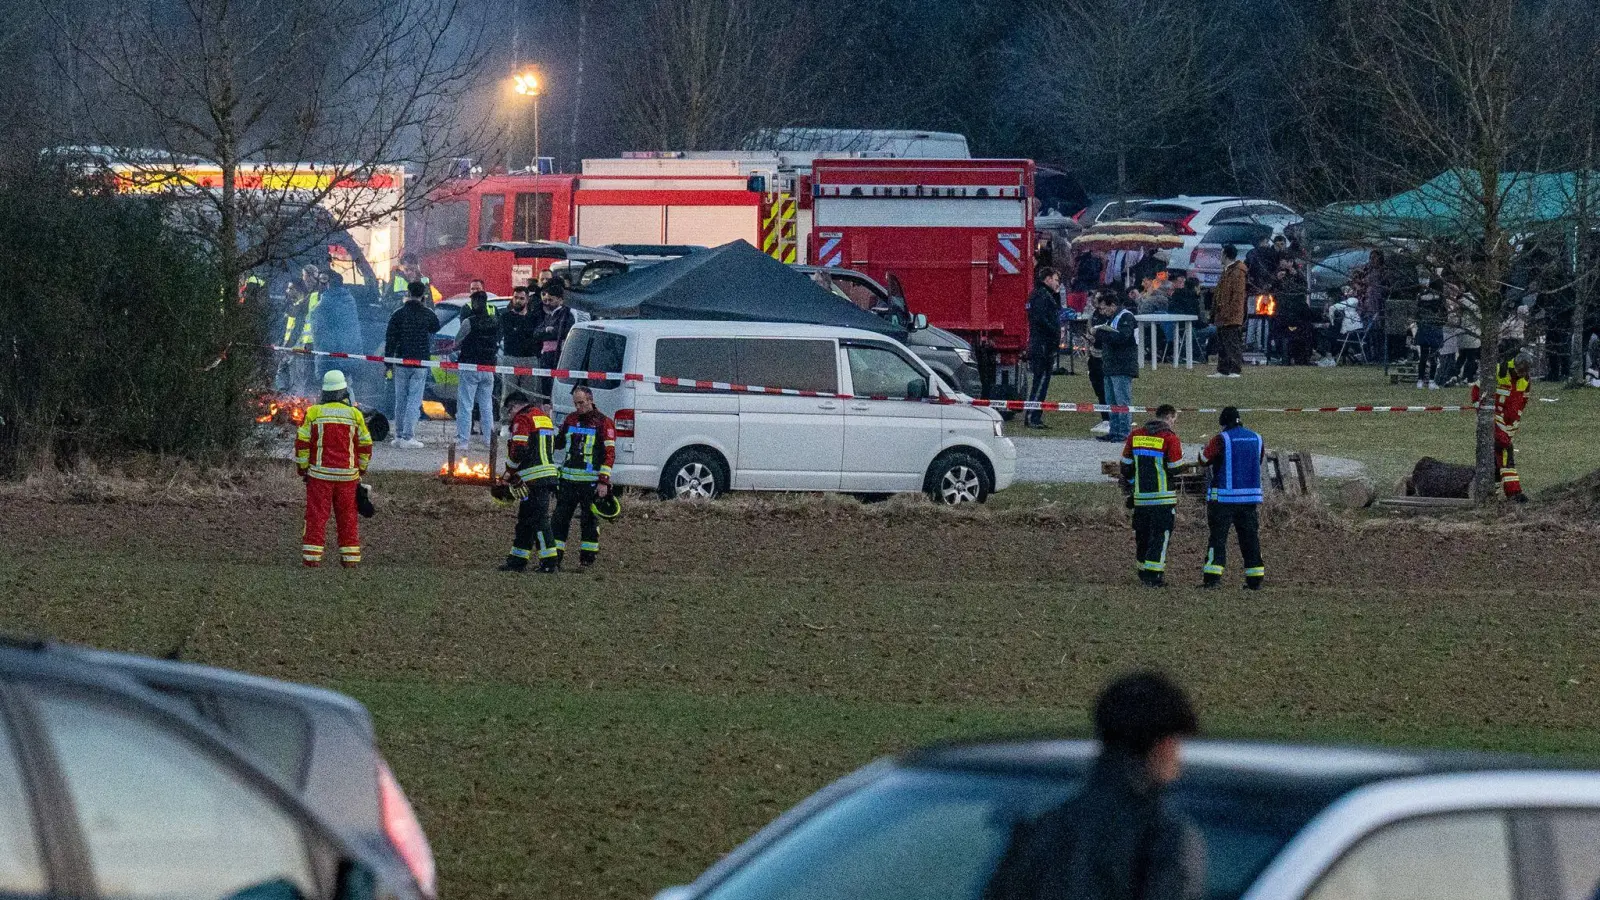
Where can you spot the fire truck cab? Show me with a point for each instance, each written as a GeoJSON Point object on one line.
{"type": "Point", "coordinates": [957, 233]}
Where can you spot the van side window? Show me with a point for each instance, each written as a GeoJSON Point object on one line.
{"type": "Point", "coordinates": [589, 350]}
{"type": "Point", "coordinates": [880, 372]}
{"type": "Point", "coordinates": [785, 363]}
{"type": "Point", "coordinates": [1455, 856]}
{"type": "Point", "coordinates": [702, 359]}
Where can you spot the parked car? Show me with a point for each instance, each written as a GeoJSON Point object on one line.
{"type": "Point", "coordinates": [1109, 209]}
{"type": "Point", "coordinates": [112, 789]}
{"type": "Point", "coordinates": [1280, 822]}
{"type": "Point", "coordinates": [316, 742]}
{"type": "Point", "coordinates": [946, 353]}
{"type": "Point", "coordinates": [1191, 217]}
{"type": "Point", "coordinates": [1205, 261]}
{"type": "Point", "coordinates": [699, 442]}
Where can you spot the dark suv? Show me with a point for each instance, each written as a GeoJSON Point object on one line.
{"type": "Point", "coordinates": [111, 789]}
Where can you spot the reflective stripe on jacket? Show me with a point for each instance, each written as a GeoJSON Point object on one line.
{"type": "Point", "coordinates": [333, 443]}
{"type": "Point", "coordinates": [591, 445]}
{"type": "Point", "coordinates": [531, 449]}
{"type": "Point", "coordinates": [1235, 460]}
{"type": "Point", "coordinates": [1149, 458]}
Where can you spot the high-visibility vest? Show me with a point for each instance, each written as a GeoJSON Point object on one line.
{"type": "Point", "coordinates": [532, 446]}
{"type": "Point", "coordinates": [306, 334]}
{"type": "Point", "coordinates": [1149, 462]}
{"type": "Point", "coordinates": [1236, 478]}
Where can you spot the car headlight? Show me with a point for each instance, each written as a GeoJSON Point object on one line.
{"type": "Point", "coordinates": [966, 356]}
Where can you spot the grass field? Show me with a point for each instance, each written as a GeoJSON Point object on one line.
{"type": "Point", "coordinates": [608, 735]}
{"type": "Point", "coordinates": [1553, 446]}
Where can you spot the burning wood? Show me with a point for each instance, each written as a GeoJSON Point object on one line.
{"type": "Point", "coordinates": [466, 470]}
{"type": "Point", "coordinates": [281, 409]}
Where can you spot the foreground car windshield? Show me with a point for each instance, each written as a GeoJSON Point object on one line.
{"type": "Point", "coordinates": [939, 835]}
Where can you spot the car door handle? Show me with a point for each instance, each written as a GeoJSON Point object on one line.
{"type": "Point", "coordinates": [860, 405]}
{"type": "Point", "coordinates": [827, 404]}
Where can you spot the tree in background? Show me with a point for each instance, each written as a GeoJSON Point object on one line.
{"type": "Point", "coordinates": [1467, 98]}
{"type": "Point", "coordinates": [354, 85]}
{"type": "Point", "coordinates": [1127, 78]}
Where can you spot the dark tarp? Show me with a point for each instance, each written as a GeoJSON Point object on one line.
{"type": "Point", "coordinates": [734, 282]}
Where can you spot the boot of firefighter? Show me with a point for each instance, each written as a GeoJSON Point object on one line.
{"type": "Point", "coordinates": [513, 564]}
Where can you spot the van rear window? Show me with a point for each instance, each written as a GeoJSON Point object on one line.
{"type": "Point", "coordinates": [805, 365]}
{"type": "Point", "coordinates": [589, 350]}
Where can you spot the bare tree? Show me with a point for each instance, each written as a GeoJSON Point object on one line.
{"type": "Point", "coordinates": [354, 86]}
{"type": "Point", "coordinates": [1464, 98]}
{"type": "Point", "coordinates": [1125, 77]}
{"type": "Point", "coordinates": [702, 74]}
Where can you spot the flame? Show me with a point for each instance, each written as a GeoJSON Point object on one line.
{"type": "Point", "coordinates": [467, 470]}
{"type": "Point", "coordinates": [282, 409]}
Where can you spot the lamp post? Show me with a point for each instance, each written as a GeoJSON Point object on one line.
{"type": "Point", "coordinates": [527, 84]}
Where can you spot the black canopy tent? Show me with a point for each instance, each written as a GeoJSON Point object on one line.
{"type": "Point", "coordinates": [733, 282]}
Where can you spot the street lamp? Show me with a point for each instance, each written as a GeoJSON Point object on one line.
{"type": "Point", "coordinates": [527, 84]}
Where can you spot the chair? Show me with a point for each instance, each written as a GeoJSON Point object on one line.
{"type": "Point", "coordinates": [1357, 339]}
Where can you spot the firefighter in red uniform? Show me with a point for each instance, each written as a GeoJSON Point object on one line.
{"type": "Point", "coordinates": [332, 450]}
{"type": "Point", "coordinates": [531, 472]}
{"type": "Point", "coordinates": [590, 442]}
{"type": "Point", "coordinates": [1150, 457]}
{"type": "Point", "coordinates": [1510, 396]}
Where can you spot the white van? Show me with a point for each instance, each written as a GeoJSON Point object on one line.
{"type": "Point", "coordinates": [688, 442]}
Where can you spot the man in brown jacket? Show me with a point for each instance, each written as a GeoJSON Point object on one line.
{"type": "Point", "coordinates": [1228, 314]}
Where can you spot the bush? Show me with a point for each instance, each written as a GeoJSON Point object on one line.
{"type": "Point", "coordinates": [119, 337]}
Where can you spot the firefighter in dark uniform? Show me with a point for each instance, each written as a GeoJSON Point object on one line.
{"type": "Point", "coordinates": [590, 442]}
{"type": "Point", "coordinates": [1151, 457]}
{"type": "Point", "coordinates": [532, 474]}
{"type": "Point", "coordinates": [1233, 500]}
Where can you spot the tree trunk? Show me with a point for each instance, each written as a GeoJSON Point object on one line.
{"type": "Point", "coordinates": [1583, 271]}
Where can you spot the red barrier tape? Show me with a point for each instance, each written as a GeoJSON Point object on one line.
{"type": "Point", "coordinates": [1008, 405]}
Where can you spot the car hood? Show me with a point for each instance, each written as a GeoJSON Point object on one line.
{"type": "Point", "coordinates": [933, 336]}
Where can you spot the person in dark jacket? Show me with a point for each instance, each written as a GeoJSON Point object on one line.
{"type": "Point", "coordinates": [478, 342]}
{"type": "Point", "coordinates": [1119, 351]}
{"type": "Point", "coordinates": [1044, 335]}
{"type": "Point", "coordinates": [410, 336]}
{"type": "Point", "coordinates": [519, 336]}
{"type": "Point", "coordinates": [1119, 838]}
{"type": "Point", "coordinates": [553, 328]}
{"type": "Point", "coordinates": [1187, 301]}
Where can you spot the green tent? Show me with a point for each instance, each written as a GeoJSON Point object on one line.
{"type": "Point", "coordinates": [1451, 204]}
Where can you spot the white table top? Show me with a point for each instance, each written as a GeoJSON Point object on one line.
{"type": "Point", "coordinates": [1166, 317]}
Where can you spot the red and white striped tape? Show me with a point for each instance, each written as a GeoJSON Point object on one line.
{"type": "Point", "coordinates": [1007, 405]}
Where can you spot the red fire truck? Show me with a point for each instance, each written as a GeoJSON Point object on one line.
{"type": "Point", "coordinates": [957, 233]}
{"type": "Point", "coordinates": [703, 199]}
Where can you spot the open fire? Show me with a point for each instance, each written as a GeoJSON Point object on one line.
{"type": "Point", "coordinates": [281, 409]}
{"type": "Point", "coordinates": [466, 470]}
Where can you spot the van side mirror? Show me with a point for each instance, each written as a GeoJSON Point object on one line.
{"type": "Point", "coordinates": [919, 322]}
{"type": "Point", "coordinates": [917, 389]}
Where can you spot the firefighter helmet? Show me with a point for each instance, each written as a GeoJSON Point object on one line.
{"type": "Point", "coordinates": [607, 507]}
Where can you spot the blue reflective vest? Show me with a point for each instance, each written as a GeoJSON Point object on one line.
{"type": "Point", "coordinates": [1236, 477]}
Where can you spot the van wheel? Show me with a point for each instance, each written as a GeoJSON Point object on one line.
{"type": "Point", "coordinates": [694, 473]}
{"type": "Point", "coordinates": [957, 477]}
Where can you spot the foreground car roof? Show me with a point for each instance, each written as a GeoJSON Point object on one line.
{"type": "Point", "coordinates": [1240, 762]}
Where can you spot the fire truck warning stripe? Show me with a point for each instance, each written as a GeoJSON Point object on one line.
{"type": "Point", "coordinates": [1008, 405]}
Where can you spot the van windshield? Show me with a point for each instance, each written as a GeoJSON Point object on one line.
{"type": "Point", "coordinates": [591, 350]}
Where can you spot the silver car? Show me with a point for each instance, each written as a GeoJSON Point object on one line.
{"type": "Point", "coordinates": [1280, 822]}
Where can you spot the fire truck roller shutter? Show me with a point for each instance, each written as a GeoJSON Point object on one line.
{"type": "Point", "coordinates": [600, 225]}
{"type": "Point", "coordinates": [713, 226]}
{"type": "Point", "coordinates": [844, 212]}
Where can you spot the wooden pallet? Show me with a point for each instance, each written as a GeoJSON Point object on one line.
{"type": "Point", "coordinates": [1291, 471]}
{"type": "Point", "coordinates": [1423, 503]}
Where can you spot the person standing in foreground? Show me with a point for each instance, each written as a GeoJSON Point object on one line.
{"type": "Point", "coordinates": [1044, 331]}
{"type": "Point", "coordinates": [1150, 458]}
{"type": "Point", "coordinates": [531, 472]}
{"type": "Point", "coordinates": [1227, 307]}
{"type": "Point", "coordinates": [1234, 499]}
{"type": "Point", "coordinates": [479, 343]}
{"type": "Point", "coordinates": [1510, 396]}
{"type": "Point", "coordinates": [1118, 838]}
{"type": "Point", "coordinates": [410, 336]}
{"type": "Point", "coordinates": [1118, 342]}
{"type": "Point", "coordinates": [331, 452]}
{"type": "Point", "coordinates": [590, 442]}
